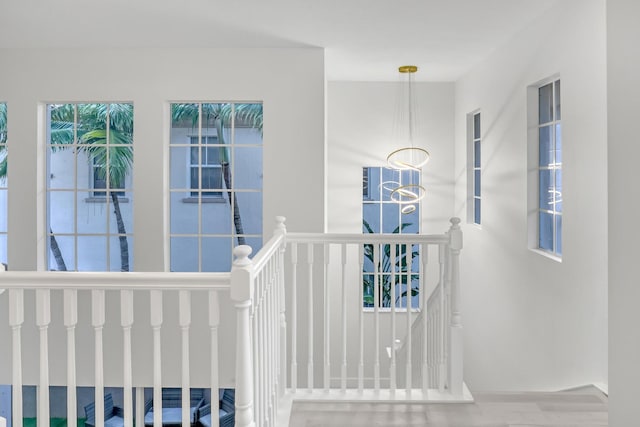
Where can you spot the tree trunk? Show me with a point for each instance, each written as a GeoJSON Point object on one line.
{"type": "Point", "coordinates": [55, 250]}
{"type": "Point", "coordinates": [124, 245]}
{"type": "Point", "coordinates": [233, 201]}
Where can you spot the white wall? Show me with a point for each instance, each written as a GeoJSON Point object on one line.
{"type": "Point", "coordinates": [360, 133]}
{"type": "Point", "coordinates": [532, 323]}
{"type": "Point", "coordinates": [623, 49]}
{"type": "Point", "coordinates": [290, 83]}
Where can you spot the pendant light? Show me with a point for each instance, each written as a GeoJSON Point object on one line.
{"type": "Point", "coordinates": [408, 157]}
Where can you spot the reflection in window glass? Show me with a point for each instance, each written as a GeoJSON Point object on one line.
{"type": "Point", "coordinates": [215, 183]}
{"type": "Point", "coordinates": [380, 214]}
{"type": "Point", "coordinates": [89, 197]}
{"type": "Point", "coordinates": [550, 169]}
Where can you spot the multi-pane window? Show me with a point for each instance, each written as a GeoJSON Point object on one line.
{"type": "Point", "coordinates": [380, 214]}
{"type": "Point", "coordinates": [3, 183]}
{"type": "Point", "coordinates": [216, 183]}
{"type": "Point", "coordinates": [550, 169]}
{"type": "Point", "coordinates": [204, 166]}
{"type": "Point", "coordinates": [89, 147]}
{"type": "Point", "coordinates": [477, 168]}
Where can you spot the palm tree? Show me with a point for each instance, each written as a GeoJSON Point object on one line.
{"type": "Point", "coordinates": [385, 265]}
{"type": "Point", "coordinates": [105, 133]}
{"type": "Point", "coordinates": [221, 115]}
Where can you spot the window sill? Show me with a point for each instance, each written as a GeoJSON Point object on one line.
{"type": "Point", "coordinates": [103, 199]}
{"type": "Point", "coordinates": [203, 200]}
{"type": "Point", "coordinates": [546, 254]}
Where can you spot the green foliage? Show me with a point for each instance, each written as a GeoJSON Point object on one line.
{"type": "Point", "coordinates": [97, 126]}
{"type": "Point", "coordinates": [3, 141]}
{"type": "Point", "coordinates": [385, 266]}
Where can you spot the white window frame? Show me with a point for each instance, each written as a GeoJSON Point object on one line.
{"type": "Point", "coordinates": [534, 169]}
{"type": "Point", "coordinates": [86, 189]}
{"type": "Point", "coordinates": [474, 147]}
{"type": "Point", "coordinates": [202, 142]}
{"type": "Point", "coordinates": [368, 200]}
{"type": "Point", "coordinates": [214, 198]}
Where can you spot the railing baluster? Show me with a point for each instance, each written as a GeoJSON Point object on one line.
{"type": "Point", "coordinates": [214, 322]}
{"type": "Point", "coordinates": [359, 306]}
{"type": "Point", "coordinates": [16, 318]}
{"type": "Point", "coordinates": [455, 337]}
{"type": "Point", "coordinates": [425, 317]}
{"type": "Point", "coordinates": [264, 352]}
{"type": "Point", "coordinates": [97, 321]}
{"type": "Point", "coordinates": [282, 368]}
{"type": "Point", "coordinates": [343, 371]}
{"type": "Point", "coordinates": [140, 406]}
{"type": "Point", "coordinates": [376, 314]}
{"type": "Point", "coordinates": [241, 293]}
{"type": "Point", "coordinates": [255, 343]}
{"type": "Point", "coordinates": [392, 303]}
{"type": "Point", "coordinates": [327, 311]}
{"type": "Point", "coordinates": [70, 322]}
{"type": "Point", "coordinates": [184, 310]}
{"type": "Point", "coordinates": [294, 323]}
{"type": "Point", "coordinates": [156, 325]}
{"type": "Point", "coordinates": [43, 318]}
{"type": "Point", "coordinates": [442, 322]}
{"type": "Point", "coordinates": [409, 297]}
{"type": "Point", "coordinates": [273, 347]}
{"type": "Point", "coordinates": [310, 318]}
{"type": "Point", "coordinates": [126, 320]}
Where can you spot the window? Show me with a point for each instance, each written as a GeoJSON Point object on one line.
{"type": "Point", "coordinates": [215, 183]}
{"type": "Point", "coordinates": [99, 181]}
{"type": "Point", "coordinates": [382, 215]}
{"type": "Point", "coordinates": [204, 166]}
{"type": "Point", "coordinates": [3, 183]}
{"type": "Point", "coordinates": [550, 169]}
{"type": "Point", "coordinates": [545, 168]}
{"type": "Point", "coordinates": [89, 147]}
{"type": "Point", "coordinates": [474, 150]}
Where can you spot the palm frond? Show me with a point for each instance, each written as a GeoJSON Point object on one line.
{"type": "Point", "coordinates": [114, 162]}
{"type": "Point", "coordinates": [3, 123]}
{"type": "Point", "coordinates": [250, 114]}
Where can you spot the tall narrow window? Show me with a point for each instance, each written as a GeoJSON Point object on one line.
{"type": "Point", "coordinates": [549, 169]}
{"type": "Point", "coordinates": [216, 183]}
{"type": "Point", "coordinates": [474, 152]}
{"type": "Point", "coordinates": [380, 214]}
{"type": "Point", "coordinates": [89, 196]}
{"type": "Point", "coordinates": [3, 183]}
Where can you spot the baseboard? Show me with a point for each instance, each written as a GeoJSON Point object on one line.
{"type": "Point", "coordinates": [604, 388]}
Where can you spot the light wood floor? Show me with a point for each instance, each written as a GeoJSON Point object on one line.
{"type": "Point", "coordinates": [584, 408]}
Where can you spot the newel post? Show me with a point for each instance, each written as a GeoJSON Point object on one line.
{"type": "Point", "coordinates": [241, 293]}
{"type": "Point", "coordinates": [456, 339]}
{"type": "Point", "coordinates": [282, 368]}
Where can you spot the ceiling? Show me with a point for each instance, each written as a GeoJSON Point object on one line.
{"type": "Point", "coordinates": [364, 39]}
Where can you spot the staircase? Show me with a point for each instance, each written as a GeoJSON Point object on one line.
{"type": "Point", "coordinates": [299, 330]}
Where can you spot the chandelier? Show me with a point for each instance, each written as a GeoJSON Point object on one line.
{"type": "Point", "coordinates": [408, 157]}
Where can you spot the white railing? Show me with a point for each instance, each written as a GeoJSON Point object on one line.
{"type": "Point", "coordinates": [432, 330]}
{"type": "Point", "coordinates": [326, 343]}
{"type": "Point", "coordinates": [325, 286]}
{"type": "Point", "coordinates": [93, 290]}
{"type": "Point", "coordinates": [258, 289]}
